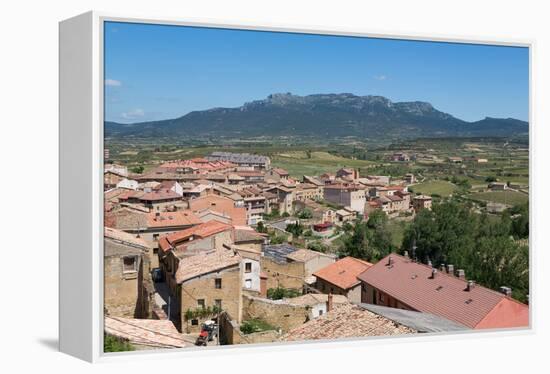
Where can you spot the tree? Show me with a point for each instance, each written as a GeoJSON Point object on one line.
{"type": "Point", "coordinates": [520, 221]}
{"type": "Point", "coordinates": [295, 229]}
{"type": "Point", "coordinates": [357, 244]}
{"type": "Point", "coordinates": [305, 214]}
{"type": "Point", "coordinates": [317, 246]}
{"type": "Point", "coordinates": [137, 169]}
{"type": "Point", "coordinates": [277, 238]}
{"type": "Point", "coordinates": [454, 234]}
{"type": "Point", "coordinates": [260, 227]}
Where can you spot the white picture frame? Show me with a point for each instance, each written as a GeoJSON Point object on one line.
{"type": "Point", "coordinates": [81, 85]}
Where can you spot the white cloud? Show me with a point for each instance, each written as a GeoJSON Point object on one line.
{"type": "Point", "coordinates": [113, 83]}
{"type": "Point", "coordinates": [380, 77]}
{"type": "Point", "coordinates": [133, 114]}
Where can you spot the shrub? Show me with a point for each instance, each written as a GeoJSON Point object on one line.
{"type": "Point", "coordinates": [255, 325]}
{"type": "Point", "coordinates": [114, 344]}
{"type": "Point", "coordinates": [281, 292]}
{"type": "Point", "coordinates": [305, 214]}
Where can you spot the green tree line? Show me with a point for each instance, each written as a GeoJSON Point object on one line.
{"type": "Point", "coordinates": [487, 248]}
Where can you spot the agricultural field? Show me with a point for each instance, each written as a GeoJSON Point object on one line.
{"type": "Point", "coordinates": [299, 163]}
{"type": "Point", "coordinates": [501, 197]}
{"type": "Point", "coordinates": [436, 187]}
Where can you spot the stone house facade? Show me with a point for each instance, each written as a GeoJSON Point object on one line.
{"type": "Point", "coordinates": [207, 280]}
{"type": "Point", "coordinates": [128, 288]}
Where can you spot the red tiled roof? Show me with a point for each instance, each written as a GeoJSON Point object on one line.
{"type": "Point", "coordinates": [206, 262]}
{"type": "Point", "coordinates": [177, 218]}
{"type": "Point", "coordinates": [220, 204]}
{"type": "Point", "coordinates": [394, 198]}
{"type": "Point", "coordinates": [395, 188]}
{"type": "Point", "coordinates": [200, 231]}
{"type": "Point", "coordinates": [445, 295]}
{"type": "Point", "coordinates": [148, 332]}
{"type": "Point", "coordinates": [343, 273]}
{"type": "Point", "coordinates": [160, 195]}
{"type": "Point", "coordinates": [280, 171]}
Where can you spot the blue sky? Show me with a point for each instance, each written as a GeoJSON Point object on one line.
{"type": "Point", "coordinates": [158, 72]}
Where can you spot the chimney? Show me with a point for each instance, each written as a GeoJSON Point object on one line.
{"type": "Point", "coordinates": [450, 269]}
{"type": "Point", "coordinates": [471, 285]}
{"type": "Point", "coordinates": [406, 254]}
{"type": "Point", "coordinates": [157, 215]}
{"type": "Point", "coordinates": [461, 274]}
{"type": "Point", "coordinates": [442, 267]}
{"type": "Point", "coordinates": [390, 260]}
{"type": "Point", "coordinates": [506, 291]}
{"type": "Point", "coordinates": [329, 302]}
{"type": "Point", "coordinates": [430, 263]}
{"type": "Point", "coordinates": [434, 272]}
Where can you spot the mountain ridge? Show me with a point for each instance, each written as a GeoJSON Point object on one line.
{"type": "Point", "coordinates": [336, 115]}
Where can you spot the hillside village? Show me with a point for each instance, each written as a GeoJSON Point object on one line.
{"type": "Point", "coordinates": [229, 249]}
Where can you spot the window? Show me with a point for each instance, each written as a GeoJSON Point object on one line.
{"type": "Point", "coordinates": [156, 237]}
{"type": "Point", "coordinates": [320, 312]}
{"type": "Point", "coordinates": [194, 322]}
{"type": "Point", "coordinates": [218, 283]}
{"type": "Point", "coordinates": [218, 303]}
{"type": "Point", "coordinates": [381, 296]}
{"type": "Point", "coordinates": [248, 283]}
{"type": "Point", "coordinates": [129, 264]}
{"type": "Point", "coordinates": [201, 303]}
{"type": "Point", "coordinates": [248, 267]}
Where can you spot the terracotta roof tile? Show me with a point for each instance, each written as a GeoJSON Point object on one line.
{"type": "Point", "coordinates": [346, 321]}
{"type": "Point", "coordinates": [149, 332]}
{"type": "Point", "coordinates": [220, 204]}
{"type": "Point", "coordinates": [200, 231]}
{"type": "Point", "coordinates": [443, 295]}
{"type": "Point", "coordinates": [177, 218]}
{"type": "Point", "coordinates": [206, 262]}
{"type": "Point", "coordinates": [124, 238]}
{"type": "Point", "coordinates": [304, 255]}
{"type": "Point", "coordinates": [343, 273]}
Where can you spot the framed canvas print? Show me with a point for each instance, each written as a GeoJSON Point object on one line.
{"type": "Point", "coordinates": [232, 185]}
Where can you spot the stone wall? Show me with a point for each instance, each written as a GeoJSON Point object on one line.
{"type": "Point", "coordinates": [288, 275]}
{"type": "Point", "coordinates": [275, 312]}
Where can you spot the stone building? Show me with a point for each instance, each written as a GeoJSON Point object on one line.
{"type": "Point", "coordinates": [179, 245]}
{"type": "Point", "coordinates": [151, 226]}
{"type": "Point", "coordinates": [128, 287]}
{"type": "Point", "coordinates": [308, 191]}
{"type": "Point", "coordinates": [340, 278]}
{"type": "Point", "coordinates": [207, 280]}
{"type": "Point", "coordinates": [289, 267]}
{"type": "Point", "coordinates": [350, 196]}
{"type": "Point", "coordinates": [422, 202]}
